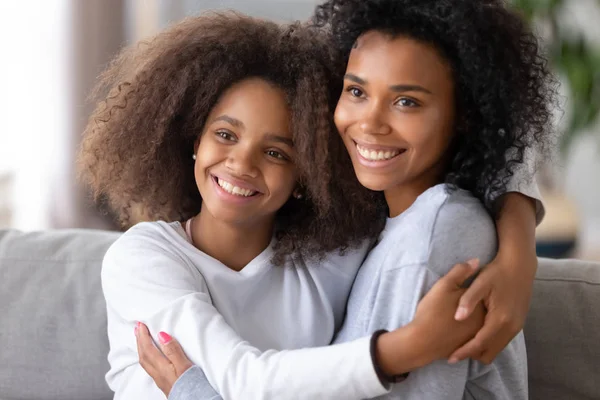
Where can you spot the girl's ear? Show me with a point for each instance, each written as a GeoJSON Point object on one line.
{"type": "Point", "coordinates": [298, 193]}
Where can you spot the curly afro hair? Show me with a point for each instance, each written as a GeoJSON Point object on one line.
{"type": "Point", "coordinates": [505, 92]}
{"type": "Point", "coordinates": [137, 147]}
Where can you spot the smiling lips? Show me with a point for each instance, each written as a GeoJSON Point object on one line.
{"type": "Point", "coordinates": [374, 154]}
{"type": "Point", "coordinates": [233, 189]}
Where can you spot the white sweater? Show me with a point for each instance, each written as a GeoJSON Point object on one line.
{"type": "Point", "coordinates": [154, 275]}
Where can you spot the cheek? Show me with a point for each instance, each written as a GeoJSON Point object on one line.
{"type": "Point", "coordinates": [281, 182]}
{"type": "Point", "coordinates": [427, 133]}
{"type": "Point", "coordinates": [342, 116]}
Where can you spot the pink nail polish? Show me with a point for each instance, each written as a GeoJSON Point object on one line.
{"type": "Point", "coordinates": [164, 337]}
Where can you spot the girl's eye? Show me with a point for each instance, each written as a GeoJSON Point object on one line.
{"type": "Point", "coordinates": [355, 92]}
{"type": "Point", "coordinates": [276, 154]}
{"type": "Point", "coordinates": [225, 135]}
{"type": "Point", "coordinates": [406, 102]}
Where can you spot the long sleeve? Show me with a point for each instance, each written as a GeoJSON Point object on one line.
{"type": "Point", "coordinates": [193, 385]}
{"type": "Point", "coordinates": [143, 280]}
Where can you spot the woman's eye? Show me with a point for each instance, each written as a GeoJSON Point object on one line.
{"type": "Point", "coordinates": [276, 154]}
{"type": "Point", "coordinates": [355, 92]}
{"type": "Point", "coordinates": [225, 135]}
{"type": "Point", "coordinates": [406, 102]}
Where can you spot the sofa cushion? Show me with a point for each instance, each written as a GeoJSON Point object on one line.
{"type": "Point", "coordinates": [53, 315]}
{"type": "Point", "coordinates": [562, 331]}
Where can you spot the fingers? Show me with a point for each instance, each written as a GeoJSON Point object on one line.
{"type": "Point", "coordinates": [150, 357]}
{"type": "Point", "coordinates": [160, 369]}
{"type": "Point", "coordinates": [460, 273]}
{"type": "Point", "coordinates": [174, 353]}
{"type": "Point", "coordinates": [476, 293]}
{"type": "Point", "coordinates": [485, 346]}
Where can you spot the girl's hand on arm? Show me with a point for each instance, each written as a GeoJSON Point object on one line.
{"type": "Point", "coordinates": [164, 366]}
{"type": "Point", "coordinates": [434, 333]}
{"type": "Point", "coordinates": [504, 285]}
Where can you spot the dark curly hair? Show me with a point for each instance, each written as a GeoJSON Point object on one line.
{"type": "Point", "coordinates": [505, 93]}
{"type": "Point", "coordinates": [137, 147]}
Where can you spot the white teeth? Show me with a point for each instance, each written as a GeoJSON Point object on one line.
{"type": "Point", "coordinates": [380, 155]}
{"type": "Point", "coordinates": [232, 189]}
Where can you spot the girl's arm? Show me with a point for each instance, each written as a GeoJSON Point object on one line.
{"type": "Point", "coordinates": [143, 281]}
{"type": "Point", "coordinates": [180, 380]}
{"type": "Point", "coordinates": [506, 283]}
{"type": "Point", "coordinates": [147, 283]}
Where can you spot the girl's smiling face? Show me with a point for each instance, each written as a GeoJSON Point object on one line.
{"type": "Point", "coordinates": [245, 156]}
{"type": "Point", "coordinates": [396, 115]}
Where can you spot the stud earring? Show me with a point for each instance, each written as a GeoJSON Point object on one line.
{"type": "Point", "coordinates": [193, 156]}
{"type": "Point", "coordinates": [297, 195]}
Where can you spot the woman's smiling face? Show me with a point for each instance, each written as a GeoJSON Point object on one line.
{"type": "Point", "coordinates": [396, 112]}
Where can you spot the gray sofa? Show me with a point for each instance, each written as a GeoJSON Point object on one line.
{"type": "Point", "coordinates": [52, 321]}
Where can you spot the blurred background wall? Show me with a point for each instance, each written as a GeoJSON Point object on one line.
{"type": "Point", "coordinates": [53, 51]}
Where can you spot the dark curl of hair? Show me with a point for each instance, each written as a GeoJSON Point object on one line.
{"type": "Point", "coordinates": [136, 153]}
{"type": "Point", "coordinates": [504, 90]}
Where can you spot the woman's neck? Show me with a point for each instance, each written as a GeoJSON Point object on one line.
{"type": "Point", "coordinates": [401, 197]}
{"type": "Point", "coordinates": [233, 245]}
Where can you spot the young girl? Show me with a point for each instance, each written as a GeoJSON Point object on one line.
{"type": "Point", "coordinates": [436, 94]}
{"type": "Point", "coordinates": [223, 122]}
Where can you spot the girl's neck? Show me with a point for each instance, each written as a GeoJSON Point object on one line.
{"type": "Point", "coordinates": [233, 245]}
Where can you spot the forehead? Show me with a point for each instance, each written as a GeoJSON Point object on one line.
{"type": "Point", "coordinates": [254, 101]}
{"type": "Point", "coordinates": [378, 54]}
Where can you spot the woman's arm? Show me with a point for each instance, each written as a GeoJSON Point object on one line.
{"type": "Point", "coordinates": [506, 283]}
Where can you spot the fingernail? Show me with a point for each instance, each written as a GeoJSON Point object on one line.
{"type": "Point", "coordinates": [461, 313]}
{"type": "Point", "coordinates": [473, 263]}
{"type": "Point", "coordinates": [453, 360]}
{"type": "Point", "coordinates": [164, 337]}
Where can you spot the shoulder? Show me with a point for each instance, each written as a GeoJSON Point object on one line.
{"type": "Point", "coordinates": [346, 262]}
{"type": "Point", "coordinates": [148, 249]}
{"type": "Point", "coordinates": [462, 230]}
{"type": "Point", "coordinates": [147, 236]}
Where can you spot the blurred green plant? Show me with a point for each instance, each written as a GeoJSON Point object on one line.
{"type": "Point", "coordinates": [574, 58]}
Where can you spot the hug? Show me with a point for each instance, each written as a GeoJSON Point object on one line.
{"type": "Point", "coordinates": [338, 209]}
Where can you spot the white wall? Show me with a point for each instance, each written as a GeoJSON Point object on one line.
{"type": "Point", "coordinates": [35, 113]}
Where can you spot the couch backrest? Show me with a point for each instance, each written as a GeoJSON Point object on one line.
{"type": "Point", "coordinates": [53, 321]}
{"type": "Point", "coordinates": [562, 331]}
{"type": "Point", "coordinates": [52, 315]}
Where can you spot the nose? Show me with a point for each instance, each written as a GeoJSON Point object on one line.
{"type": "Point", "coordinates": [373, 121]}
{"type": "Point", "coordinates": [240, 162]}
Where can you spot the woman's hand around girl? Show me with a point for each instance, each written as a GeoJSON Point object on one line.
{"type": "Point", "coordinates": [164, 366]}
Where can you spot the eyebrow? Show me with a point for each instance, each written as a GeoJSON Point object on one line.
{"type": "Point", "coordinates": [395, 88]}
{"type": "Point", "coordinates": [233, 121]}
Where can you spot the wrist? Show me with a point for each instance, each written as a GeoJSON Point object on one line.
{"type": "Point", "coordinates": [521, 260]}
{"type": "Point", "coordinates": [398, 352]}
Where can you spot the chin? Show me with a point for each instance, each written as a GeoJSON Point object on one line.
{"type": "Point", "coordinates": [373, 183]}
